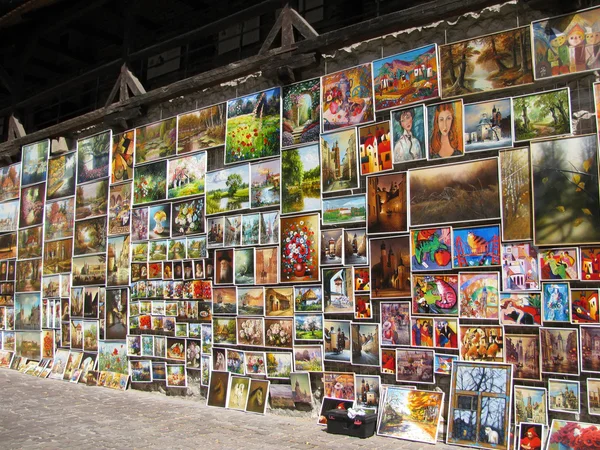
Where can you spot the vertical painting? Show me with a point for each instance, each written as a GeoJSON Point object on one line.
{"type": "Point", "coordinates": [61, 176]}
{"type": "Point", "coordinates": [250, 229]}
{"type": "Point", "coordinates": [445, 130]}
{"type": "Point", "coordinates": [479, 410]}
{"type": "Point", "coordinates": [408, 134]}
{"type": "Point", "coordinates": [201, 129]}
{"type": "Point", "coordinates": [566, 44]}
{"type": "Point", "coordinates": [32, 205]}
{"type": "Point", "coordinates": [387, 210]}
{"type": "Point", "coordinates": [488, 125]}
{"type": "Point", "coordinates": [9, 216]}
{"type": "Point", "coordinates": [253, 126]}
{"type": "Point", "coordinates": [244, 266]}
{"type": "Point", "coordinates": [523, 352]}
{"type": "Point", "coordinates": [530, 405]}
{"type": "Point", "coordinates": [269, 228]}
{"type": "Point", "coordinates": [265, 181]}
{"type": "Point", "coordinates": [395, 323]}
{"type": "Point", "coordinates": [560, 350]}
{"type": "Point", "coordinates": [407, 77]}
{"type": "Point", "coordinates": [476, 246]}
{"type": "Point", "coordinates": [228, 189]}
{"type": "Point", "coordinates": [590, 353]}
{"type": "Point", "coordinates": [542, 115]}
{"type": "Point", "coordinates": [300, 179]}
{"type": "Point", "coordinates": [454, 193]}
{"type": "Point", "coordinates": [123, 146]}
{"type": "Point", "coordinates": [365, 344]}
{"type": "Point", "coordinates": [300, 248]}
{"type": "Point", "coordinates": [486, 63]}
{"type": "Point", "coordinates": [11, 182]}
{"type": "Point", "coordinates": [431, 249]}
{"type": "Point", "coordinates": [34, 162]}
{"type": "Point", "coordinates": [589, 263]}
{"type": "Point", "coordinates": [59, 221]}
{"type": "Point", "coordinates": [566, 208]}
{"type": "Point", "coordinates": [339, 170]}
{"type": "Point", "coordinates": [117, 264]}
{"type": "Point", "coordinates": [186, 176]}
{"type": "Point", "coordinates": [266, 265]}
{"type": "Point", "coordinates": [155, 141]}
{"type": "Point", "coordinates": [390, 267]}
{"type": "Point", "coordinates": [332, 247]}
{"type": "Point", "coordinates": [584, 306]}
{"type": "Point", "coordinates": [347, 98]}
{"type": "Point", "coordinates": [28, 311]}
{"type": "Point", "coordinates": [356, 247]}
{"type": "Point", "coordinates": [520, 267]}
{"type": "Point", "coordinates": [139, 224]}
{"type": "Point", "coordinates": [375, 148]}
{"type": "Point", "coordinates": [93, 157]}
{"type": "Point", "coordinates": [515, 178]}
{"type": "Point", "coordinates": [338, 292]}
{"type": "Point", "coordinates": [119, 208]}
{"type": "Point", "coordinates": [301, 113]}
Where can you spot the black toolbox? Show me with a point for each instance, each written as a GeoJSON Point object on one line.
{"type": "Point", "coordinates": [338, 422]}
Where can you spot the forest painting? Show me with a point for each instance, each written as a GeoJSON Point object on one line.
{"type": "Point", "coordinates": [301, 113]}
{"type": "Point", "coordinates": [253, 126]}
{"type": "Point", "coordinates": [454, 193]}
{"type": "Point", "coordinates": [11, 182]}
{"type": "Point", "coordinates": [61, 176]}
{"type": "Point", "coordinates": [201, 129]}
{"type": "Point", "coordinates": [480, 405]}
{"type": "Point", "coordinates": [486, 63]}
{"type": "Point", "coordinates": [301, 179]}
{"type": "Point", "coordinates": [93, 154]}
{"type": "Point", "coordinates": [91, 200]}
{"type": "Point", "coordinates": [542, 115]}
{"type": "Point", "coordinates": [155, 141]}
{"type": "Point", "coordinates": [150, 183]}
{"type": "Point", "coordinates": [186, 175]}
{"type": "Point", "coordinates": [515, 178]}
{"type": "Point", "coordinates": [566, 209]}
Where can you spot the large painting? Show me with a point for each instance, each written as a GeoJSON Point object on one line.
{"type": "Point", "coordinates": [93, 157]}
{"type": "Point", "coordinates": [301, 113]}
{"type": "Point", "coordinates": [228, 189]}
{"type": "Point", "coordinates": [155, 141]}
{"type": "Point", "coordinates": [201, 129]}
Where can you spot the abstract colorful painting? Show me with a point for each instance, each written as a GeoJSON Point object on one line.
{"type": "Point", "coordinates": [435, 294]}
{"type": "Point", "coordinates": [375, 148]}
{"type": "Point", "coordinates": [476, 246]}
{"type": "Point", "coordinates": [584, 306]}
{"type": "Point", "coordinates": [481, 343]}
{"type": "Point", "coordinates": [520, 308]}
{"type": "Point", "coordinates": [301, 113]}
{"type": "Point", "coordinates": [431, 249]}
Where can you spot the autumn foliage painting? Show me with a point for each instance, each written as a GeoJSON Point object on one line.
{"type": "Point", "coordinates": [201, 129]}
{"type": "Point", "coordinates": [486, 63]}
{"type": "Point", "coordinates": [516, 194]}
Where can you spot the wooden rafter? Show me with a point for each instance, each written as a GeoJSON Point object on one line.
{"type": "Point", "coordinates": [287, 20]}
{"type": "Point", "coordinates": [126, 82]}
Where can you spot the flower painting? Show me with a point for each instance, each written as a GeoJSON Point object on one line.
{"type": "Point", "coordinates": [187, 217]}
{"type": "Point", "coordinates": [228, 189]}
{"type": "Point", "coordinates": [150, 183]}
{"type": "Point", "coordinates": [187, 175]}
{"type": "Point", "coordinates": [119, 209]}
{"type": "Point", "coordinates": [155, 141]}
{"type": "Point", "coordinates": [201, 129]}
{"type": "Point", "coordinates": [300, 248]}
{"type": "Point", "coordinates": [301, 113]}
{"type": "Point", "coordinates": [253, 126]}
{"type": "Point", "coordinates": [572, 435]}
{"type": "Point", "coordinates": [93, 154]}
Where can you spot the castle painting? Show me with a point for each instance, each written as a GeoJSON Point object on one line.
{"type": "Point", "coordinates": [390, 267]}
{"type": "Point", "coordinates": [488, 125]}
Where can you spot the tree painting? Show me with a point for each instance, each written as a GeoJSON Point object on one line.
{"type": "Point", "coordinates": [155, 141]}
{"type": "Point", "coordinates": [301, 113]}
{"type": "Point", "coordinates": [91, 199]}
{"type": "Point", "coordinates": [32, 205]}
{"type": "Point", "coordinates": [201, 129]}
{"type": "Point", "coordinates": [186, 175]}
{"type": "Point", "coordinates": [515, 179]}
{"type": "Point", "coordinates": [10, 182]}
{"type": "Point", "coordinates": [90, 236]}
{"type": "Point", "coordinates": [253, 126]}
{"type": "Point", "coordinates": [34, 162]}
{"type": "Point", "coordinates": [228, 189]}
{"type": "Point", "coordinates": [479, 405]}
{"type": "Point", "coordinates": [542, 115]}
{"type": "Point", "coordinates": [486, 63]}
{"type": "Point", "coordinates": [150, 183]}
{"type": "Point", "coordinates": [93, 157]}
{"type": "Point", "coordinates": [566, 209]}
{"type": "Point", "coordinates": [265, 180]}
{"type": "Point", "coordinates": [60, 217]}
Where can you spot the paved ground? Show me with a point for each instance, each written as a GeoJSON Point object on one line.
{"type": "Point", "coordinates": [50, 414]}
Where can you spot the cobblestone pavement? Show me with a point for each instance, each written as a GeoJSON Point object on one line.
{"type": "Point", "coordinates": [50, 414]}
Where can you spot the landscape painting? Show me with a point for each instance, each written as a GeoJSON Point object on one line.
{"type": "Point", "coordinates": [57, 256]}
{"type": "Point", "coordinates": [11, 182]}
{"type": "Point", "coordinates": [61, 176]}
{"type": "Point", "coordinates": [515, 178]}
{"type": "Point", "coordinates": [566, 208]}
{"type": "Point", "coordinates": [407, 77]}
{"type": "Point", "coordinates": [486, 63]}
{"type": "Point", "coordinates": [387, 211]}
{"type": "Point", "coordinates": [343, 210]}
{"type": "Point", "coordinates": [150, 183]}
{"type": "Point", "coordinates": [228, 189]}
{"type": "Point", "coordinates": [201, 129]}
{"type": "Point", "coordinates": [123, 147]}
{"type": "Point", "coordinates": [408, 134]}
{"type": "Point", "coordinates": [186, 176]}
{"type": "Point", "coordinates": [347, 98]}
{"type": "Point", "coordinates": [339, 170]}
{"type": "Point", "coordinates": [9, 216]}
{"type": "Point", "coordinates": [265, 180]}
{"type": "Point", "coordinates": [119, 209]}
{"type": "Point", "coordinates": [60, 217]}
{"type": "Point", "coordinates": [34, 162]}
{"type": "Point", "coordinates": [32, 205]}
{"type": "Point", "coordinates": [93, 156]}
{"type": "Point", "coordinates": [454, 193]}
{"type": "Point", "coordinates": [301, 113]}
{"type": "Point", "coordinates": [253, 126]}
{"type": "Point", "coordinates": [89, 270]}
{"type": "Point", "coordinates": [90, 236]}
{"type": "Point", "coordinates": [542, 115]}
{"type": "Point", "coordinates": [488, 125]}
{"type": "Point", "coordinates": [155, 141]}
{"type": "Point", "coordinates": [300, 179]}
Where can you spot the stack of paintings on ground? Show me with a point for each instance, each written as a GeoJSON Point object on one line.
{"type": "Point", "coordinates": [368, 235]}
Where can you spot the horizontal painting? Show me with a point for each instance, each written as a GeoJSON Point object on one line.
{"type": "Point", "coordinates": [387, 211]}
{"type": "Point", "coordinates": [409, 134]}
{"type": "Point", "coordinates": [61, 176]}
{"type": "Point", "coordinates": [542, 115]}
{"type": "Point", "coordinates": [155, 141]}
{"type": "Point", "coordinates": [515, 178]}
{"type": "Point", "coordinates": [435, 295]}
{"type": "Point", "coordinates": [301, 113]}
{"type": "Point", "coordinates": [476, 246]}
{"type": "Point", "coordinates": [150, 183]}
{"type": "Point", "coordinates": [375, 148]}
{"type": "Point", "coordinates": [123, 147]}
{"type": "Point", "coordinates": [483, 343]}
{"type": "Point", "coordinates": [186, 176]}
{"type": "Point", "coordinates": [431, 249]}
{"type": "Point", "coordinates": [520, 308]}
{"type": "Point", "coordinates": [201, 129]}
{"type": "Point", "coordinates": [228, 189]}
{"type": "Point", "coordinates": [342, 210]}
{"type": "Point", "coordinates": [445, 130]}
{"type": "Point", "coordinates": [301, 179]}
{"type": "Point", "coordinates": [339, 170]}
{"type": "Point", "coordinates": [89, 270]}
{"type": "Point", "coordinates": [93, 157]}
{"type": "Point", "coordinates": [488, 125]}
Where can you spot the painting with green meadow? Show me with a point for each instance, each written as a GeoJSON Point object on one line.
{"type": "Point", "coordinates": [186, 175]}
{"type": "Point", "coordinates": [542, 115]}
{"type": "Point", "coordinates": [228, 189]}
{"type": "Point", "coordinates": [150, 183]}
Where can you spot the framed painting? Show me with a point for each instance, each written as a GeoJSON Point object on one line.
{"type": "Point", "coordinates": [365, 344]}
{"type": "Point", "coordinates": [445, 333]}
{"type": "Point", "coordinates": [28, 275]}
{"type": "Point", "coordinates": [542, 115]}
{"type": "Point", "coordinates": [300, 248]}
{"type": "Point", "coordinates": [8, 246]}
{"type": "Point", "coordinates": [89, 270]}
{"type": "Point", "coordinates": [27, 311]}
{"type": "Point", "coordinates": [160, 221]}
{"type": "Point", "coordinates": [515, 195]}
{"type": "Point", "coordinates": [337, 340]}
{"type": "Point", "coordinates": [347, 98]}
{"type": "Point", "coordinates": [265, 181]}
{"type": "Point", "coordinates": [90, 236]}
{"type": "Point", "coordinates": [157, 250]}
{"type": "Point", "coordinates": [186, 175]}
{"type": "Point", "coordinates": [368, 391]}
{"type": "Point", "coordinates": [155, 141]}
{"type": "Point", "coordinates": [32, 205]}
{"type": "Point", "coordinates": [486, 63]}
{"type": "Point", "coordinates": [251, 301]}
{"type": "Point", "coordinates": [523, 309]}
{"type": "Point", "coordinates": [476, 247]}
{"type": "Point", "coordinates": [9, 216]}
{"type": "Point", "coordinates": [118, 261]}
{"type": "Point", "coordinates": [442, 364]}
{"type": "Point", "coordinates": [387, 210]}
{"type": "Point", "coordinates": [332, 247]}
{"type": "Point", "coordinates": [374, 148]}
{"type": "Point", "coordinates": [390, 267]}
{"type": "Point", "coordinates": [28, 344]}
{"type": "Point", "coordinates": [488, 125]}
{"type": "Point", "coordinates": [215, 227]}
{"type": "Point", "coordinates": [422, 332]}
{"type": "Point", "coordinates": [237, 394]}
{"type": "Point", "coordinates": [243, 269]}
{"type": "Point", "coordinates": [266, 265]}
{"type": "Point", "coordinates": [395, 323]}
{"type": "Point", "coordinates": [228, 189]}
{"type": "Point", "coordinates": [61, 176]}
{"type": "Point", "coordinates": [467, 191]}
{"type": "Point", "coordinates": [435, 294]}
{"type": "Point", "coordinates": [176, 251]}
{"type": "Point", "coordinates": [593, 399]}
{"type": "Point", "coordinates": [150, 183]}
{"type": "Point", "coordinates": [530, 405]}
{"type": "Point", "coordinates": [308, 299]}
{"type": "Point", "coordinates": [566, 44]}
{"type": "Point", "coordinates": [139, 224]}
{"type": "Point", "coordinates": [445, 138]}
{"type": "Point", "coordinates": [302, 393]}
{"type": "Point", "coordinates": [119, 208]}
{"type": "Point", "coordinates": [279, 301]}
{"type": "Point", "coordinates": [301, 112]}
{"type": "Point", "coordinates": [590, 354]}
{"type": "Point", "coordinates": [141, 371]}
{"type": "Point", "coordinates": [187, 217]}
{"type": "Point", "coordinates": [343, 210]}
{"type": "Point", "coordinates": [121, 158]}
{"type": "Point", "coordinates": [338, 292]}
{"type": "Point", "coordinates": [560, 350]}
{"type": "Point", "coordinates": [11, 182]}
{"type": "Point", "coordinates": [30, 242]}
{"type": "Point", "coordinates": [93, 157]}
{"type": "Point", "coordinates": [339, 168]}
{"type": "Point", "coordinates": [481, 343]}
{"type": "Point", "coordinates": [253, 126]}
{"type": "Point", "coordinates": [530, 435]}
{"type": "Point", "coordinates": [431, 249]}
{"type": "Point", "coordinates": [91, 200]}
{"type": "Point", "coordinates": [584, 306]}
{"type": "Point", "coordinates": [570, 435]}
{"type": "Point", "coordinates": [34, 162]}
{"type": "Point", "coordinates": [301, 179]}
{"type": "Point", "coordinates": [479, 410]}
{"type": "Point", "coordinates": [408, 134]}
{"type": "Point", "coordinates": [269, 228]}
{"type": "Point", "coordinates": [356, 248]}
{"type": "Point", "coordinates": [279, 365]}
{"type": "Point", "coordinates": [523, 352]}
{"type": "Point", "coordinates": [362, 283]}
{"type": "Point", "coordinates": [564, 396]}
{"type": "Point", "coordinates": [201, 129]}
{"type": "Point", "coordinates": [414, 366]}
{"type": "Point", "coordinates": [250, 229]}
{"type": "Point", "coordinates": [363, 309]}
{"type": "Point", "coordinates": [308, 358]}
{"type": "Point", "coordinates": [559, 263]}
{"type": "Point", "coordinates": [412, 415]}
{"type": "Point", "coordinates": [566, 209]}
{"type": "Point", "coordinates": [589, 263]}
{"type": "Point", "coordinates": [218, 388]}
{"type": "Point", "coordinates": [232, 235]}
{"type": "Point", "coordinates": [116, 314]}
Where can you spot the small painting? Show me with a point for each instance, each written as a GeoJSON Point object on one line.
{"type": "Point", "coordinates": [244, 266]}
{"type": "Point", "coordinates": [34, 162]}
{"type": "Point", "coordinates": [435, 294]}
{"type": "Point", "coordinates": [446, 333]}
{"type": "Point", "coordinates": [224, 266]}
{"type": "Point", "coordinates": [530, 405]}
{"type": "Point", "coordinates": [308, 358]}
{"type": "Point", "coordinates": [30, 242]}
{"type": "Point", "coordinates": [356, 247]}
{"type": "Point", "coordinates": [27, 311]}
{"type": "Point", "coordinates": [343, 210]}
{"type": "Point", "coordinates": [301, 113]}
{"type": "Point", "coordinates": [542, 115]}
{"type": "Point", "coordinates": [338, 292]}
{"type": "Point", "coordinates": [139, 224]}
{"type": "Point", "coordinates": [481, 343]}
{"type": "Point", "coordinates": [215, 227]}
{"type": "Point", "coordinates": [520, 308]}
{"type": "Point", "coordinates": [530, 436]}
{"type": "Point", "coordinates": [9, 216]}
{"type": "Point", "coordinates": [395, 323]}
{"type": "Point", "coordinates": [560, 351]}
{"type": "Point", "coordinates": [414, 366]}
{"type": "Point", "coordinates": [593, 387]}
{"type": "Point", "coordinates": [119, 209]}
{"type": "Point", "coordinates": [300, 248]}
{"type": "Point", "coordinates": [515, 178]}
{"type": "Point", "coordinates": [523, 352]}
{"type": "Point", "coordinates": [590, 354]}
{"type": "Point", "coordinates": [488, 125]}
{"type": "Point", "coordinates": [431, 249]}
{"type": "Point", "coordinates": [228, 189]}
{"type": "Point", "coordinates": [408, 134]}
{"type": "Point", "coordinates": [390, 267]}
{"type": "Point", "coordinates": [186, 175]}
{"type": "Point", "coordinates": [555, 302]}
{"type": "Point", "coordinates": [339, 169]}
{"type": "Point", "coordinates": [237, 394]}
{"type": "Point", "coordinates": [250, 229]}
{"type": "Point", "coordinates": [375, 149]}
{"type": "Point", "coordinates": [442, 363]}
{"type": "Point", "coordinates": [61, 176]}
{"type": "Point", "coordinates": [11, 182]}
{"type": "Point", "coordinates": [187, 217]}
{"type": "Point", "coordinates": [150, 183]}
{"type": "Point", "coordinates": [269, 228]}
{"type": "Point", "coordinates": [387, 211]}
{"type": "Point", "coordinates": [28, 274]}
{"type": "Point", "coordinates": [265, 180]}
{"type": "Point", "coordinates": [362, 284]}
{"type": "Point", "coordinates": [301, 179]}
{"type": "Point", "coordinates": [155, 141]}
{"type": "Point", "coordinates": [519, 267]}
{"type": "Point", "coordinates": [266, 265]}
{"type": "Point", "coordinates": [32, 205]}
{"type": "Point", "coordinates": [332, 247]}
{"type": "Point", "coordinates": [201, 129]}
{"type": "Point", "coordinates": [253, 126]}
{"type": "Point", "coordinates": [91, 200]}
{"type": "Point", "coordinates": [93, 157]}
{"type": "Point", "coordinates": [160, 221]}
{"type": "Point", "coordinates": [279, 365]}
{"type": "Point", "coordinates": [224, 300]}
{"type": "Point", "coordinates": [118, 261]}
{"type": "Point", "coordinates": [123, 146]}
{"type": "Point", "coordinates": [308, 299]}
{"type": "Point", "coordinates": [308, 327]}
{"type": "Point", "coordinates": [564, 396]}
{"type": "Point", "coordinates": [196, 248]}
{"type": "Point", "coordinates": [445, 130]}
{"type": "Point", "coordinates": [589, 263]}
{"type": "Point", "coordinates": [422, 332]}
{"type": "Point", "coordinates": [347, 98]}
{"type": "Point", "coordinates": [365, 344]}
{"type": "Point", "coordinates": [584, 306]}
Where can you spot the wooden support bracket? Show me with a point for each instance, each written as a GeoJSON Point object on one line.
{"type": "Point", "coordinates": [286, 22]}
{"type": "Point", "coordinates": [15, 129]}
{"type": "Point", "coordinates": [126, 82]}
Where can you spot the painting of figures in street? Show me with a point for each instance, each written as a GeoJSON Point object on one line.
{"type": "Point", "coordinates": [486, 63]}
{"type": "Point", "coordinates": [93, 155]}
{"type": "Point", "coordinates": [301, 179]}
{"type": "Point", "coordinates": [405, 78]}
{"type": "Point", "coordinates": [542, 115]}
{"type": "Point", "coordinates": [253, 126]}
{"type": "Point", "coordinates": [523, 352]}
{"type": "Point", "coordinates": [301, 113]}
{"type": "Point", "coordinates": [488, 125]}
{"type": "Point", "coordinates": [411, 414]}
{"type": "Point", "coordinates": [201, 129]}
{"type": "Point", "coordinates": [155, 141]}
{"type": "Point", "coordinates": [339, 170]}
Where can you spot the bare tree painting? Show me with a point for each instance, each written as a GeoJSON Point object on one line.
{"type": "Point", "coordinates": [515, 179]}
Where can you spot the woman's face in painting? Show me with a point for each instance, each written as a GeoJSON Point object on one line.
{"type": "Point", "coordinates": [445, 122]}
